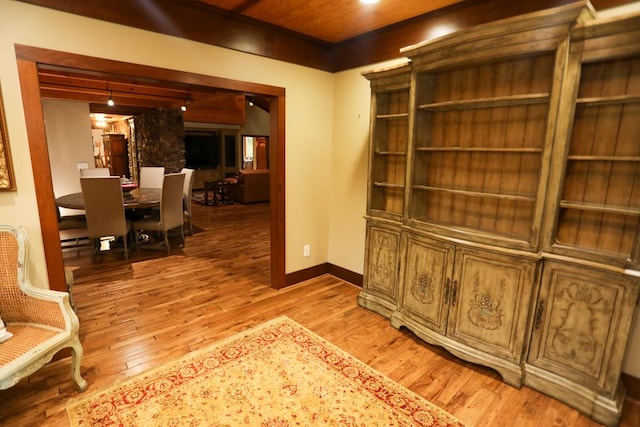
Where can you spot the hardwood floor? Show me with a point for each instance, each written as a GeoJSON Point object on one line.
{"type": "Point", "coordinates": [139, 314]}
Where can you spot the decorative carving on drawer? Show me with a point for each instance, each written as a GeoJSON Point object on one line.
{"type": "Point", "coordinates": [422, 285]}
{"type": "Point", "coordinates": [576, 334]}
{"type": "Point", "coordinates": [384, 261]}
{"type": "Point", "coordinates": [485, 309]}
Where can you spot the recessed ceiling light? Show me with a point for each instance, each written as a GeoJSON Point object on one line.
{"type": "Point", "coordinates": [369, 1]}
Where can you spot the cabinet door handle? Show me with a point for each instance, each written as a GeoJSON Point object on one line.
{"type": "Point", "coordinates": [446, 291]}
{"type": "Point", "coordinates": [454, 293]}
{"type": "Point", "coordinates": [538, 319]}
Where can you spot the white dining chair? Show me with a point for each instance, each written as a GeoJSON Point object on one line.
{"type": "Point", "coordinates": [187, 190]}
{"type": "Point", "coordinates": [170, 215]}
{"type": "Point", "coordinates": [151, 177]}
{"type": "Point", "coordinates": [95, 172]}
{"type": "Point", "coordinates": [104, 209]}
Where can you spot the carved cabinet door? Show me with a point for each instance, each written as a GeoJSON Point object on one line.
{"type": "Point", "coordinates": [581, 325]}
{"type": "Point", "coordinates": [491, 295]}
{"type": "Point", "coordinates": [380, 287]}
{"type": "Point", "coordinates": [427, 268]}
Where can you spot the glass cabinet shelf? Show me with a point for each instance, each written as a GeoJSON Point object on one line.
{"type": "Point", "coordinates": [492, 102]}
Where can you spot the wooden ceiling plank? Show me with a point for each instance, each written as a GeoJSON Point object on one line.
{"type": "Point", "coordinates": [134, 98]}
{"type": "Point", "coordinates": [149, 95]}
{"type": "Point", "coordinates": [246, 4]}
{"type": "Point", "coordinates": [75, 81]}
{"type": "Point", "coordinates": [339, 20]}
{"type": "Point", "coordinates": [93, 98]}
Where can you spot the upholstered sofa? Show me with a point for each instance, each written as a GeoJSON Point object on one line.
{"type": "Point", "coordinates": [253, 186]}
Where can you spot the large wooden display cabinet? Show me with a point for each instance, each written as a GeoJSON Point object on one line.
{"type": "Point", "coordinates": [503, 217]}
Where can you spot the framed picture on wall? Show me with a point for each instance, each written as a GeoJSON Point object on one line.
{"type": "Point", "coordinates": [7, 180]}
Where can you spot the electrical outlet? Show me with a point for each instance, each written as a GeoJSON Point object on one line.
{"type": "Point", "coordinates": [306, 250]}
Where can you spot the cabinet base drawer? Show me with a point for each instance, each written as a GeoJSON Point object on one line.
{"type": "Point", "coordinates": [600, 408]}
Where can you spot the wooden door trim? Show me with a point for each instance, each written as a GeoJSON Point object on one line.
{"type": "Point", "coordinates": [36, 135]}
{"type": "Point", "coordinates": [29, 58]}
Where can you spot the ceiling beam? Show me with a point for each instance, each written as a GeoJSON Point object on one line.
{"type": "Point", "coordinates": [198, 21]}
{"type": "Point", "coordinates": [194, 20]}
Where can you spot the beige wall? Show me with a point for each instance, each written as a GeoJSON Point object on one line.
{"type": "Point", "coordinates": [349, 162]}
{"type": "Point", "coordinates": [256, 121]}
{"type": "Point", "coordinates": [327, 119]}
{"type": "Point", "coordinates": [70, 142]}
{"type": "Point", "coordinates": [309, 114]}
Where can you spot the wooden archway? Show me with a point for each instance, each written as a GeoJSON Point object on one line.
{"type": "Point", "coordinates": [30, 58]}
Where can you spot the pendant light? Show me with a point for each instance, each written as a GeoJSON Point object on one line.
{"type": "Point", "coordinates": [110, 102]}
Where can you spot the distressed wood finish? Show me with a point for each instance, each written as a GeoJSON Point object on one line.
{"type": "Point", "coordinates": [581, 309]}
{"type": "Point", "coordinates": [488, 124]}
{"type": "Point", "coordinates": [521, 222]}
{"type": "Point", "coordinates": [389, 138]}
{"type": "Point", "coordinates": [594, 225]}
{"type": "Point", "coordinates": [381, 260]}
{"type": "Point", "coordinates": [138, 315]}
{"type": "Point", "coordinates": [473, 303]}
{"type": "Point", "coordinates": [598, 208]}
{"type": "Point", "coordinates": [389, 130]}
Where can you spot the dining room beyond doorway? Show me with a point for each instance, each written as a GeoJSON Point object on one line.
{"type": "Point", "coordinates": [30, 60]}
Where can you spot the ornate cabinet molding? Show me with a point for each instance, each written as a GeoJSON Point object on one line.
{"type": "Point", "coordinates": [503, 208]}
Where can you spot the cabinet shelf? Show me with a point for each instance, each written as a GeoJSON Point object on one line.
{"type": "Point", "coordinates": [390, 153]}
{"type": "Point", "coordinates": [481, 149]}
{"type": "Point", "coordinates": [515, 197]}
{"type": "Point", "coordinates": [387, 184]}
{"type": "Point", "coordinates": [493, 102]}
{"type": "Point", "coordinates": [608, 100]}
{"type": "Point", "coordinates": [624, 210]}
{"type": "Point", "coordinates": [604, 158]}
{"type": "Point", "coordinates": [393, 116]}
{"type": "Point", "coordinates": [389, 139]}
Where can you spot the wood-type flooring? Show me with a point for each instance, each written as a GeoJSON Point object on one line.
{"type": "Point", "coordinates": [138, 314]}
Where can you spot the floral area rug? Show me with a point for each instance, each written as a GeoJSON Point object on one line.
{"type": "Point", "coordinates": [278, 374]}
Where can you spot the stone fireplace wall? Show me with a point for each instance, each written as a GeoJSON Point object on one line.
{"type": "Point", "coordinates": [159, 140]}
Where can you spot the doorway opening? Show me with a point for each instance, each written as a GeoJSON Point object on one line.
{"type": "Point", "coordinates": [32, 60]}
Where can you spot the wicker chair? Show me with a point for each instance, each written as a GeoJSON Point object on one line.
{"type": "Point", "coordinates": [41, 320]}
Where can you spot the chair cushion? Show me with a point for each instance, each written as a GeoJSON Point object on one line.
{"type": "Point", "coordinates": [28, 340]}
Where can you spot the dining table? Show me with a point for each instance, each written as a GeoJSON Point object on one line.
{"type": "Point", "coordinates": [138, 198]}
